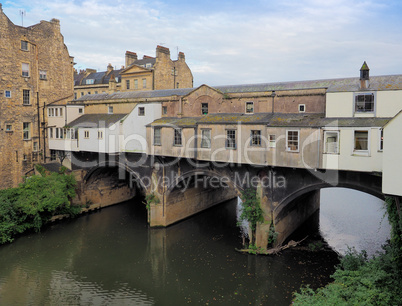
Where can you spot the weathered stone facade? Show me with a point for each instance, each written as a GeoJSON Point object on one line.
{"type": "Point", "coordinates": [36, 69]}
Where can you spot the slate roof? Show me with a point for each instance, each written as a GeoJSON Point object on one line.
{"type": "Point", "coordinates": [386, 82]}
{"type": "Point", "coordinates": [273, 120]}
{"type": "Point", "coordinates": [136, 94]}
{"type": "Point", "coordinates": [99, 77]}
{"type": "Point", "coordinates": [96, 120]}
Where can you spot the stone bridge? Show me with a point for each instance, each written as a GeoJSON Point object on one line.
{"type": "Point", "coordinates": [184, 187]}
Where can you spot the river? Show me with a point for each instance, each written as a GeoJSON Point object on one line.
{"type": "Point", "coordinates": [111, 257]}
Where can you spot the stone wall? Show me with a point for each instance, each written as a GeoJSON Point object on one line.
{"type": "Point", "coordinates": [45, 51]}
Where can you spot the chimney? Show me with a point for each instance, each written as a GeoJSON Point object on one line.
{"type": "Point", "coordinates": [131, 57]}
{"type": "Point", "coordinates": [160, 51]}
{"type": "Point", "coordinates": [181, 56]}
{"type": "Point", "coordinates": [109, 68]}
{"type": "Point", "coordinates": [364, 76]}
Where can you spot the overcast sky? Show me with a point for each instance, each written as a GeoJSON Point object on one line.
{"type": "Point", "coordinates": [231, 42]}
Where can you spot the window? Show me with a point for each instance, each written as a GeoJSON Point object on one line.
{"type": "Point", "coordinates": [110, 109]}
{"type": "Point", "coordinates": [9, 127]}
{"type": "Point", "coordinates": [272, 141]}
{"type": "Point", "coordinates": [136, 84]}
{"type": "Point", "coordinates": [42, 75]}
{"type": "Point", "coordinates": [361, 141]}
{"type": "Point", "coordinates": [148, 65]}
{"type": "Point", "coordinates": [89, 81]}
{"type": "Point", "coordinates": [25, 97]}
{"type": "Point", "coordinates": [86, 134]}
{"type": "Point", "coordinates": [96, 92]}
{"type": "Point", "coordinates": [205, 138]}
{"type": "Point", "coordinates": [82, 94]}
{"type": "Point", "coordinates": [25, 70]}
{"type": "Point", "coordinates": [381, 140]}
{"type": "Point", "coordinates": [35, 146]}
{"type": "Point", "coordinates": [157, 136]}
{"type": "Point", "coordinates": [7, 93]}
{"type": "Point", "coordinates": [56, 112]}
{"type": "Point", "coordinates": [80, 110]}
{"type": "Point", "coordinates": [302, 108]}
{"type": "Point", "coordinates": [231, 139]}
{"type": "Point", "coordinates": [100, 134]}
{"type": "Point", "coordinates": [292, 140]}
{"type": "Point", "coordinates": [255, 140]}
{"type": "Point", "coordinates": [364, 103]}
{"type": "Point", "coordinates": [24, 45]}
{"type": "Point", "coordinates": [61, 112]}
{"type": "Point", "coordinates": [50, 132]}
{"type": "Point", "coordinates": [128, 84]}
{"type": "Point", "coordinates": [26, 127]}
{"type": "Point", "coordinates": [144, 83]}
{"type": "Point", "coordinates": [331, 142]}
{"type": "Point", "coordinates": [75, 96]}
{"type": "Point", "coordinates": [177, 137]}
{"type": "Point", "coordinates": [204, 108]}
{"type": "Point", "coordinates": [249, 107]}
{"type": "Point", "coordinates": [141, 111]}
{"type": "Point", "coordinates": [89, 92]}
{"type": "Point", "coordinates": [164, 110]}
{"type": "Point", "coordinates": [52, 154]}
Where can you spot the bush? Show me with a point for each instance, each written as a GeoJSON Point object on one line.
{"type": "Point", "coordinates": [34, 202]}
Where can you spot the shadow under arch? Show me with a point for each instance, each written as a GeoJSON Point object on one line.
{"type": "Point", "coordinates": [133, 175]}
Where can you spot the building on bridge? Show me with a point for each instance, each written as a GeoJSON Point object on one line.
{"type": "Point", "coordinates": [148, 73]}
{"type": "Point", "coordinates": [36, 70]}
{"type": "Point", "coordinates": [335, 132]}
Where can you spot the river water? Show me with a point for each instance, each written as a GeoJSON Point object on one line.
{"type": "Point", "coordinates": [111, 257]}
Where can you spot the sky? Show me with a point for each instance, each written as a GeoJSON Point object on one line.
{"type": "Point", "coordinates": [230, 42]}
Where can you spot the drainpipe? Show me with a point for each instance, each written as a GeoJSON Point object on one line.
{"type": "Point", "coordinates": [318, 147]}
{"type": "Point", "coordinates": [196, 141]}
{"type": "Point", "coordinates": [38, 109]}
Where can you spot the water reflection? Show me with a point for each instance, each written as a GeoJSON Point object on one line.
{"type": "Point", "coordinates": [111, 257]}
{"type": "Point", "coordinates": [350, 218]}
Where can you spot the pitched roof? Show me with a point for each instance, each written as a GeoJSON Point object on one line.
{"type": "Point", "coordinates": [96, 120]}
{"type": "Point", "coordinates": [101, 77]}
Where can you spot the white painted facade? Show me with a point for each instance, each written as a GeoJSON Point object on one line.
{"type": "Point", "coordinates": [392, 164]}
{"type": "Point", "coordinates": [134, 136]}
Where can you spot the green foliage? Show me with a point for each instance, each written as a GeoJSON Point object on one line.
{"type": "Point", "coordinates": [34, 202]}
{"type": "Point", "coordinates": [272, 235]}
{"type": "Point", "coordinates": [359, 281]}
{"type": "Point", "coordinates": [251, 210]}
{"type": "Point", "coordinates": [151, 198]}
{"type": "Point", "coordinates": [315, 246]}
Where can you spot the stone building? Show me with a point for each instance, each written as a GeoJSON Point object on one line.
{"type": "Point", "coordinates": [148, 73]}
{"type": "Point", "coordinates": [36, 70]}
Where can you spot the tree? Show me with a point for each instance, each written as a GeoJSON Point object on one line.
{"type": "Point", "coordinates": [251, 211]}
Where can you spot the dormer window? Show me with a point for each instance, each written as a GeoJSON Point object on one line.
{"type": "Point", "coordinates": [364, 102]}
{"type": "Point", "coordinates": [204, 108]}
{"type": "Point", "coordinates": [148, 65]}
{"type": "Point", "coordinates": [110, 109]}
{"type": "Point", "coordinates": [89, 81]}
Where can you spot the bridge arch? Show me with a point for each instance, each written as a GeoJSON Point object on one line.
{"type": "Point", "coordinates": [299, 204]}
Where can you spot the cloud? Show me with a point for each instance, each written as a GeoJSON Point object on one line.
{"type": "Point", "coordinates": [232, 42]}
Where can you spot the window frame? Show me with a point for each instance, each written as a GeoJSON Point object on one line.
{"type": "Point", "coordinates": [42, 74]}
{"type": "Point", "coordinates": [157, 139]}
{"type": "Point", "coordinates": [26, 97]}
{"type": "Point", "coordinates": [249, 111]}
{"type": "Point", "coordinates": [302, 106]}
{"type": "Point", "coordinates": [26, 130]}
{"type": "Point", "coordinates": [7, 94]}
{"type": "Point", "coordinates": [9, 127]}
{"type": "Point", "coordinates": [24, 45]}
{"type": "Point", "coordinates": [230, 141]}
{"type": "Point", "coordinates": [362, 151]}
{"type": "Point", "coordinates": [205, 139]}
{"type": "Point", "coordinates": [127, 84]}
{"type": "Point", "coordinates": [255, 138]}
{"type": "Point", "coordinates": [204, 109]}
{"type": "Point", "coordinates": [164, 110]}
{"type": "Point", "coordinates": [337, 146]}
{"type": "Point", "coordinates": [271, 141]}
{"type": "Point", "coordinates": [363, 110]}
{"type": "Point", "coordinates": [100, 134]}
{"type": "Point", "coordinates": [135, 83]}
{"type": "Point", "coordinates": [144, 83]}
{"type": "Point", "coordinates": [177, 137]}
{"type": "Point", "coordinates": [86, 134]}
{"type": "Point", "coordinates": [380, 140]}
{"type": "Point", "coordinates": [110, 110]}
{"type": "Point", "coordinates": [25, 72]}
{"type": "Point", "coordinates": [89, 81]}
{"type": "Point", "coordinates": [288, 140]}
{"type": "Point", "coordinates": [141, 111]}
